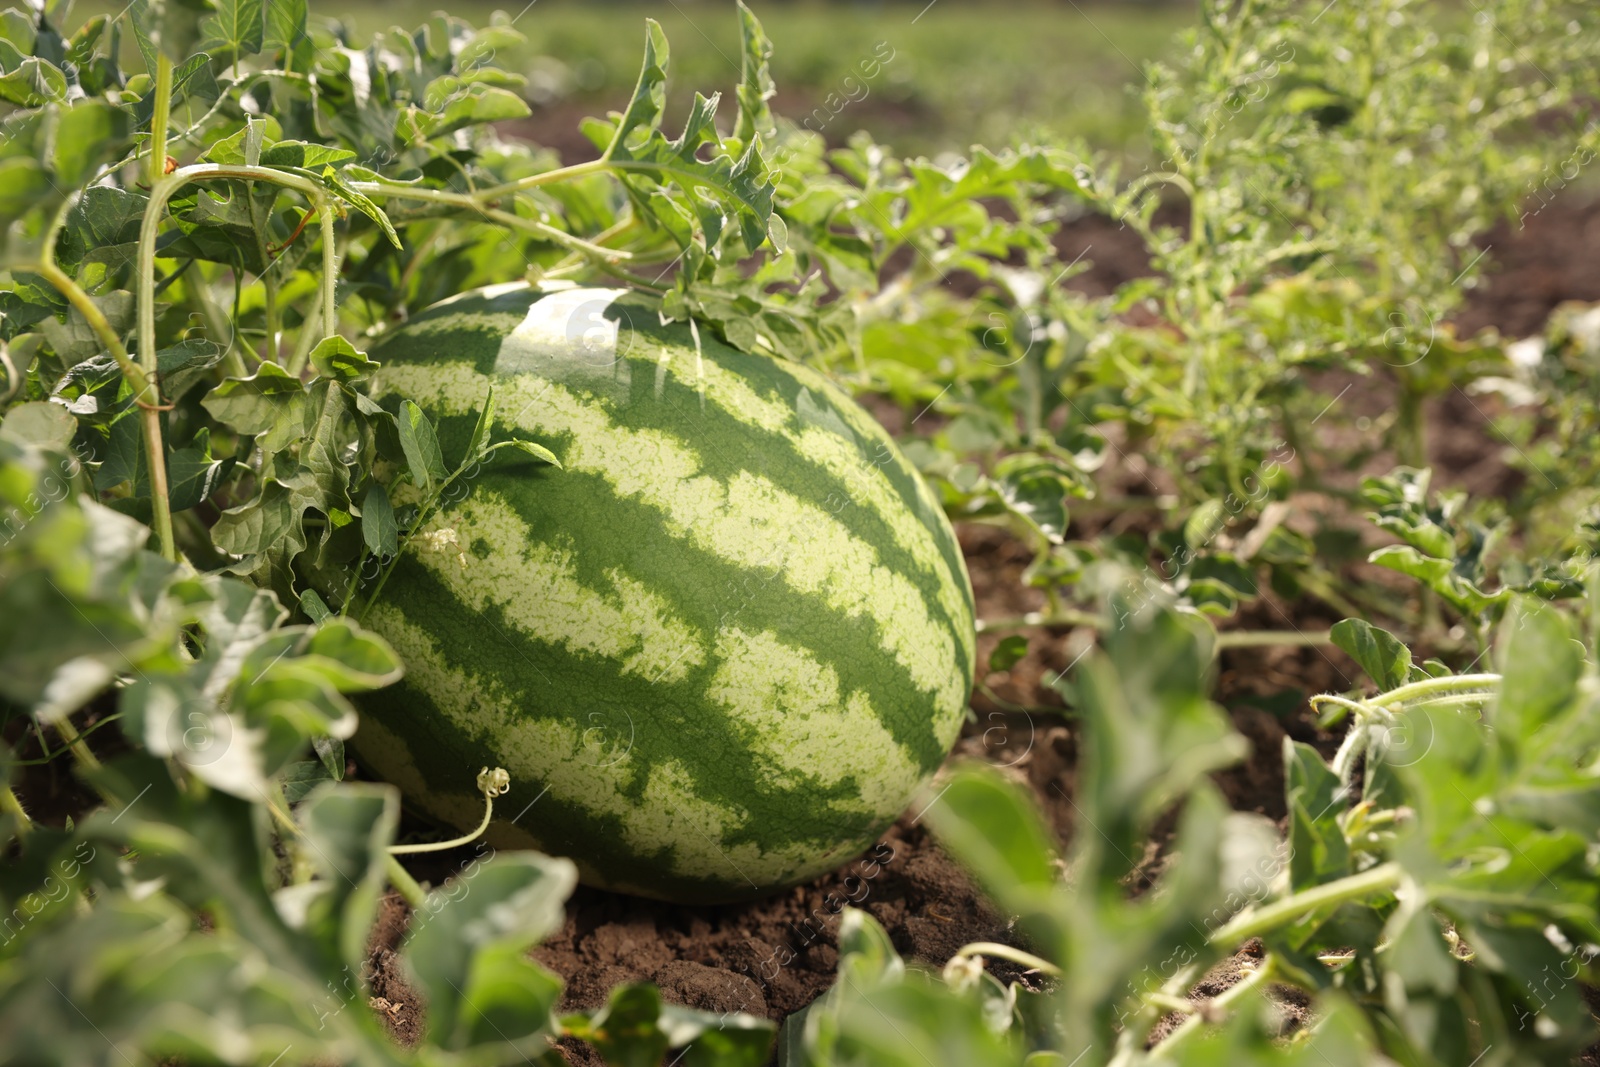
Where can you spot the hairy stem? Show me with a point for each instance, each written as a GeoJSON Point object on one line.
{"type": "Point", "coordinates": [549, 177]}
{"type": "Point", "coordinates": [84, 305]}
{"type": "Point", "coordinates": [1006, 952]}
{"type": "Point", "coordinates": [75, 742]}
{"type": "Point", "coordinates": [1187, 1030]}
{"type": "Point", "coordinates": [269, 286]}
{"type": "Point", "coordinates": [406, 885]}
{"type": "Point", "coordinates": [477, 202]}
{"type": "Point", "coordinates": [440, 846]}
{"type": "Point", "coordinates": [156, 162]}
{"type": "Point", "coordinates": [1063, 618]}
{"type": "Point", "coordinates": [9, 802]}
{"type": "Point", "coordinates": [1260, 638]}
{"type": "Point", "coordinates": [1258, 921]}
{"type": "Point", "coordinates": [163, 191]}
{"type": "Point", "coordinates": [1460, 685]}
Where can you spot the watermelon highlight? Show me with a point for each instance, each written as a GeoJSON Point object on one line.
{"type": "Point", "coordinates": [718, 652]}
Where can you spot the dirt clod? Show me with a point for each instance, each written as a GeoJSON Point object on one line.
{"type": "Point", "coordinates": [694, 985]}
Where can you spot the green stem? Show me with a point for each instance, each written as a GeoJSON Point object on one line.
{"type": "Point", "coordinates": [217, 326]}
{"type": "Point", "coordinates": [1258, 921]}
{"type": "Point", "coordinates": [355, 580]}
{"type": "Point", "coordinates": [84, 305]}
{"type": "Point", "coordinates": [1066, 617]}
{"type": "Point", "coordinates": [1006, 952]}
{"type": "Point", "coordinates": [155, 452]}
{"type": "Point", "coordinates": [9, 802]}
{"type": "Point", "coordinates": [1460, 685]}
{"type": "Point", "coordinates": [1411, 443]}
{"type": "Point", "coordinates": [1260, 638]}
{"type": "Point", "coordinates": [156, 162]}
{"type": "Point", "coordinates": [406, 885]}
{"type": "Point", "coordinates": [440, 846]}
{"type": "Point", "coordinates": [425, 514]}
{"type": "Point", "coordinates": [80, 749]}
{"type": "Point", "coordinates": [505, 218]}
{"type": "Point", "coordinates": [549, 177]}
{"type": "Point", "coordinates": [310, 334]}
{"type": "Point", "coordinates": [269, 286]}
{"type": "Point", "coordinates": [1194, 1024]}
{"type": "Point", "coordinates": [162, 192]}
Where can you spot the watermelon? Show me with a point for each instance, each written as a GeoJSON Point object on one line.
{"type": "Point", "coordinates": [719, 650]}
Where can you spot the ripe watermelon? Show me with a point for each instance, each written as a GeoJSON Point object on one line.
{"type": "Point", "coordinates": [718, 652]}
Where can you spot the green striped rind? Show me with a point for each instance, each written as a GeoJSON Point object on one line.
{"type": "Point", "coordinates": [718, 652]}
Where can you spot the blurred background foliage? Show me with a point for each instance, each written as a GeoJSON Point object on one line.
{"type": "Point", "coordinates": [978, 73]}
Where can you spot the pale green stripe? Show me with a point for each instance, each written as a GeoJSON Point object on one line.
{"type": "Point", "coordinates": [803, 729]}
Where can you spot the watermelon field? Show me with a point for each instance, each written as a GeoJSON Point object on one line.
{"type": "Point", "coordinates": [922, 535]}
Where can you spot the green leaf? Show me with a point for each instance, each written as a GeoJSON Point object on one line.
{"type": "Point", "coordinates": [378, 527]}
{"type": "Point", "coordinates": [349, 829]}
{"type": "Point", "coordinates": [192, 474]}
{"type": "Point", "coordinates": [755, 79]}
{"type": "Point", "coordinates": [123, 454]}
{"type": "Point", "coordinates": [1150, 732]}
{"type": "Point", "coordinates": [537, 451]}
{"type": "Point", "coordinates": [184, 365]}
{"type": "Point", "coordinates": [285, 25]}
{"type": "Point", "coordinates": [236, 28]}
{"type": "Point", "coordinates": [421, 445]}
{"type": "Point", "coordinates": [917, 1024]}
{"type": "Point", "coordinates": [649, 100]}
{"type": "Point", "coordinates": [86, 134]}
{"type": "Point", "coordinates": [1008, 653]}
{"type": "Point", "coordinates": [467, 952]}
{"type": "Point", "coordinates": [314, 606]}
{"type": "Point", "coordinates": [361, 202]}
{"type": "Point", "coordinates": [717, 1039]}
{"type": "Point", "coordinates": [169, 26]}
{"type": "Point", "coordinates": [40, 423]}
{"type": "Point", "coordinates": [238, 146]}
{"type": "Point", "coordinates": [1204, 523]}
{"type": "Point", "coordinates": [24, 184]}
{"type": "Point", "coordinates": [1385, 659]}
{"type": "Point", "coordinates": [351, 659]}
{"type": "Point", "coordinates": [1036, 490]}
{"type": "Point", "coordinates": [269, 404]}
{"type": "Point", "coordinates": [708, 185]}
{"type": "Point", "coordinates": [477, 445]}
{"type": "Point", "coordinates": [1409, 561]}
{"type": "Point", "coordinates": [303, 156]}
{"type": "Point", "coordinates": [300, 778]}
{"type": "Point", "coordinates": [33, 83]}
{"type": "Point", "coordinates": [475, 105]}
{"type": "Point", "coordinates": [865, 951]}
{"type": "Point", "coordinates": [626, 1032]}
{"type": "Point", "coordinates": [1317, 849]}
{"type": "Point", "coordinates": [1540, 664]}
{"type": "Point", "coordinates": [336, 358]}
{"type": "Point", "coordinates": [996, 833]}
